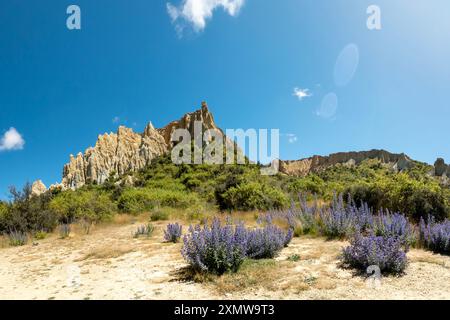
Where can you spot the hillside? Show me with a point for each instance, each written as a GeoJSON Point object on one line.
{"type": "Point", "coordinates": [133, 173]}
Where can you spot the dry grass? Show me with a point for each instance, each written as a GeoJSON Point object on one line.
{"type": "Point", "coordinates": [4, 242]}
{"type": "Point", "coordinates": [428, 257]}
{"type": "Point", "coordinates": [266, 275]}
{"type": "Point", "coordinates": [107, 252]}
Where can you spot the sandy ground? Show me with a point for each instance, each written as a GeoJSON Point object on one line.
{"type": "Point", "coordinates": [111, 264]}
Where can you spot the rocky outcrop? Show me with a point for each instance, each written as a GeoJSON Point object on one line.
{"type": "Point", "coordinates": [317, 163]}
{"type": "Point", "coordinates": [38, 188]}
{"type": "Point", "coordinates": [114, 154]}
{"type": "Point", "coordinates": [441, 169]}
{"type": "Point", "coordinates": [127, 151]}
{"type": "Point", "coordinates": [188, 122]}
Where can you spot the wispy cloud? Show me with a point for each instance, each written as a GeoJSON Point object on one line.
{"type": "Point", "coordinates": [197, 12]}
{"type": "Point", "coordinates": [301, 93]}
{"type": "Point", "coordinates": [115, 120]}
{"type": "Point", "coordinates": [11, 140]}
{"type": "Point", "coordinates": [291, 137]}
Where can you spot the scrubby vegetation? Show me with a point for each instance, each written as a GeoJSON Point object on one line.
{"type": "Point", "coordinates": [87, 204]}
{"type": "Point", "coordinates": [144, 230]}
{"type": "Point", "coordinates": [198, 189]}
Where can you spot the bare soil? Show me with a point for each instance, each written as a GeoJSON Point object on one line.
{"type": "Point", "coordinates": [110, 264]}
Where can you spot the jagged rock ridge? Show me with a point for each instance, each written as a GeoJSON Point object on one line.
{"type": "Point", "coordinates": [317, 163]}
{"type": "Point", "coordinates": [127, 151]}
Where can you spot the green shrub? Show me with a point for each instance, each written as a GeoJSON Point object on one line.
{"type": "Point", "coordinates": [254, 196]}
{"type": "Point", "coordinates": [141, 200]}
{"type": "Point", "coordinates": [173, 199]}
{"type": "Point", "coordinates": [40, 235]}
{"type": "Point", "coordinates": [159, 215]}
{"type": "Point", "coordinates": [416, 198]}
{"type": "Point", "coordinates": [88, 205]}
{"type": "Point", "coordinates": [4, 214]}
{"type": "Point", "coordinates": [27, 213]}
{"type": "Point", "coordinates": [294, 258]}
{"type": "Point", "coordinates": [135, 201]}
{"type": "Point", "coordinates": [311, 184]}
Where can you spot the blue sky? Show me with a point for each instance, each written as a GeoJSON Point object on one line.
{"type": "Point", "coordinates": [131, 63]}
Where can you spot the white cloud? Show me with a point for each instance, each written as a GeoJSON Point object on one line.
{"type": "Point", "coordinates": [197, 12]}
{"type": "Point", "coordinates": [11, 140]}
{"type": "Point", "coordinates": [301, 93]}
{"type": "Point", "coordinates": [291, 137]}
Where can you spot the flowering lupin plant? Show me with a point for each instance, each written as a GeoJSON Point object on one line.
{"type": "Point", "coordinates": [173, 232]}
{"type": "Point", "coordinates": [435, 236]}
{"type": "Point", "coordinates": [266, 242]}
{"type": "Point", "coordinates": [338, 221]}
{"type": "Point", "coordinates": [219, 248]}
{"type": "Point", "coordinates": [386, 253]}
{"type": "Point", "coordinates": [394, 225]}
{"type": "Point", "coordinates": [215, 248]}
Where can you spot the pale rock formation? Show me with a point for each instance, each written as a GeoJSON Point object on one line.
{"type": "Point", "coordinates": [126, 151]}
{"type": "Point", "coordinates": [38, 188]}
{"type": "Point", "coordinates": [114, 153]}
{"type": "Point", "coordinates": [188, 121]}
{"type": "Point", "coordinates": [317, 163]}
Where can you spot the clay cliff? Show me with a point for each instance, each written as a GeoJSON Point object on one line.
{"type": "Point", "coordinates": [127, 151]}
{"type": "Point", "coordinates": [316, 163]}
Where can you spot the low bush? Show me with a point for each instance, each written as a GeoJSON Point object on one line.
{"type": "Point", "coordinates": [386, 253]}
{"type": "Point", "coordinates": [86, 204]}
{"type": "Point", "coordinates": [17, 238]}
{"type": "Point", "coordinates": [159, 215]}
{"type": "Point", "coordinates": [215, 248]}
{"type": "Point", "coordinates": [144, 230]}
{"type": "Point", "coordinates": [417, 197]}
{"type": "Point", "coordinates": [267, 242]}
{"type": "Point", "coordinates": [173, 232]}
{"type": "Point", "coordinates": [40, 235]}
{"type": "Point", "coordinates": [294, 258]}
{"type": "Point", "coordinates": [435, 236]}
{"type": "Point", "coordinates": [135, 201]}
{"type": "Point", "coordinates": [254, 196]}
{"type": "Point", "coordinates": [141, 200]}
{"type": "Point", "coordinates": [27, 213]}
